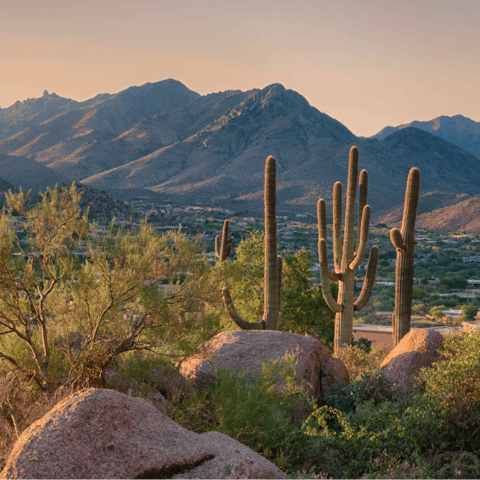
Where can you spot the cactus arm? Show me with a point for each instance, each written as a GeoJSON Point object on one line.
{"type": "Point", "coordinates": [217, 246]}
{"type": "Point", "coordinates": [229, 246]}
{"type": "Point", "coordinates": [397, 239]}
{"type": "Point", "coordinates": [223, 249]}
{"type": "Point", "coordinates": [363, 193]}
{"type": "Point", "coordinates": [326, 290]}
{"type": "Point", "coordinates": [337, 226]}
{"type": "Point", "coordinates": [363, 237]}
{"type": "Point", "coordinates": [348, 246]}
{"type": "Point", "coordinates": [369, 280]}
{"type": "Point", "coordinates": [362, 198]}
{"type": "Point", "coordinates": [232, 313]}
{"type": "Point", "coordinates": [322, 233]}
{"type": "Point", "coordinates": [411, 205]}
{"type": "Point", "coordinates": [322, 218]}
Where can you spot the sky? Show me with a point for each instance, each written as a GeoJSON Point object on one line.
{"type": "Point", "coordinates": [367, 64]}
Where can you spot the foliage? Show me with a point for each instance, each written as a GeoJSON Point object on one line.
{"type": "Point", "coordinates": [360, 361]}
{"type": "Point", "coordinates": [76, 313]}
{"type": "Point", "coordinates": [437, 311]}
{"type": "Point", "coordinates": [372, 433]}
{"type": "Point", "coordinates": [369, 386]}
{"type": "Point", "coordinates": [303, 307]}
{"type": "Point", "coordinates": [469, 311]}
{"type": "Point", "coordinates": [364, 344]}
{"type": "Point", "coordinates": [456, 281]}
{"type": "Point", "coordinates": [452, 384]}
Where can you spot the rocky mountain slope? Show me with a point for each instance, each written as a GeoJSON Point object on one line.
{"type": "Point", "coordinates": [459, 130]}
{"type": "Point", "coordinates": [193, 149]}
{"type": "Point", "coordinates": [441, 212]}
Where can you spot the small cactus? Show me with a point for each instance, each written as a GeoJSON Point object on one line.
{"type": "Point", "coordinates": [404, 242]}
{"type": "Point", "coordinates": [348, 261]}
{"type": "Point", "coordinates": [223, 248]}
{"type": "Point", "coordinates": [273, 263]}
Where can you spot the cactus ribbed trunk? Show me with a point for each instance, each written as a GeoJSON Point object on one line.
{"type": "Point", "coordinates": [273, 262]}
{"type": "Point", "coordinates": [404, 242]}
{"type": "Point", "coordinates": [270, 312]}
{"type": "Point", "coordinates": [346, 261]}
{"type": "Point", "coordinates": [223, 247]}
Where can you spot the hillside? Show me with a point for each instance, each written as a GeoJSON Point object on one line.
{"type": "Point", "coordinates": [441, 212]}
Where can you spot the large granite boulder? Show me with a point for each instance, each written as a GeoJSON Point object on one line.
{"type": "Point", "coordinates": [245, 350]}
{"type": "Point", "coordinates": [99, 433]}
{"type": "Point", "coordinates": [418, 348]}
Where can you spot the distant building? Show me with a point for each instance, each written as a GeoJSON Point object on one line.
{"type": "Point", "coordinates": [475, 259]}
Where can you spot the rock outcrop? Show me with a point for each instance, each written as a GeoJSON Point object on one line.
{"type": "Point", "coordinates": [244, 350]}
{"type": "Point", "coordinates": [99, 433]}
{"type": "Point", "coordinates": [417, 349]}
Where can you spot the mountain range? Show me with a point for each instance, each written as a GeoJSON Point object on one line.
{"type": "Point", "coordinates": [168, 142]}
{"type": "Point", "coordinates": [459, 130]}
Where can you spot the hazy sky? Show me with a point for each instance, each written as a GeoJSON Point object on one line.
{"type": "Point", "coordinates": [368, 64]}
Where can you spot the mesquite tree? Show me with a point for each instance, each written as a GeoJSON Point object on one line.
{"type": "Point", "coordinates": [404, 242]}
{"type": "Point", "coordinates": [348, 261]}
{"type": "Point", "coordinates": [72, 300]}
{"type": "Point", "coordinates": [273, 263]}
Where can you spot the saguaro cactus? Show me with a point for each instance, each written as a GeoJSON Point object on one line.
{"type": "Point", "coordinates": [223, 248]}
{"type": "Point", "coordinates": [404, 242]}
{"type": "Point", "coordinates": [348, 261]}
{"type": "Point", "coordinates": [273, 263]}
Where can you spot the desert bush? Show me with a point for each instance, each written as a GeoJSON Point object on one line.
{"type": "Point", "coordinates": [348, 445]}
{"type": "Point", "coordinates": [371, 386]}
{"type": "Point", "coordinates": [359, 360]}
{"type": "Point", "coordinates": [452, 388]}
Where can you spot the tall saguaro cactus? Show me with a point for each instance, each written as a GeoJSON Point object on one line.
{"type": "Point", "coordinates": [348, 261]}
{"type": "Point", "coordinates": [273, 262]}
{"type": "Point", "coordinates": [223, 248]}
{"type": "Point", "coordinates": [404, 242]}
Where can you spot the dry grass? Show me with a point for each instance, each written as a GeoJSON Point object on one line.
{"type": "Point", "coordinates": [359, 362]}
{"type": "Point", "coordinates": [21, 404]}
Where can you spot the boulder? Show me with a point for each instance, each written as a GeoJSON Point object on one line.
{"type": "Point", "coordinates": [231, 459]}
{"type": "Point", "coordinates": [417, 349]}
{"type": "Point", "coordinates": [245, 350]}
{"type": "Point", "coordinates": [99, 433]}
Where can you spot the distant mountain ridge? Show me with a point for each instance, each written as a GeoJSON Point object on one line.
{"type": "Point", "coordinates": [441, 212]}
{"type": "Point", "coordinates": [177, 145]}
{"type": "Point", "coordinates": [459, 130]}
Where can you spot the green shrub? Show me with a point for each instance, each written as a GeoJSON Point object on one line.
{"type": "Point", "coordinates": [371, 386]}
{"type": "Point", "coordinates": [359, 361]}
{"type": "Point", "coordinates": [256, 408]}
{"type": "Point", "coordinates": [452, 384]}
{"type": "Point", "coordinates": [355, 443]}
{"type": "Point", "coordinates": [452, 390]}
